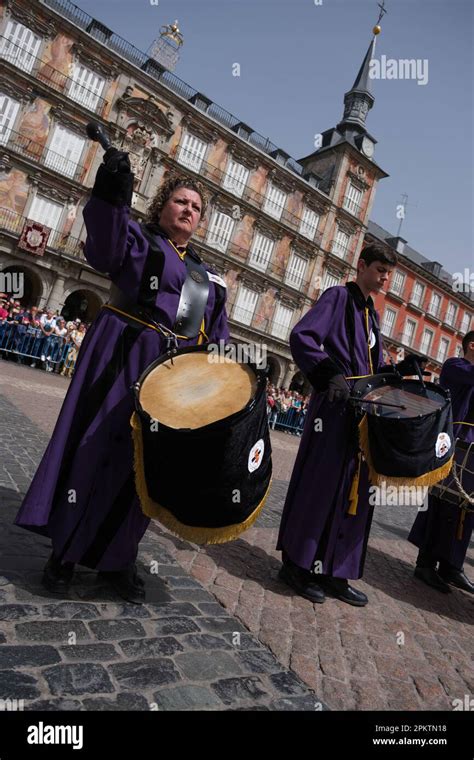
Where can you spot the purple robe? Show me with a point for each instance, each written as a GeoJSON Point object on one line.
{"type": "Point", "coordinates": [315, 524]}
{"type": "Point", "coordinates": [435, 529]}
{"type": "Point", "coordinates": [83, 493]}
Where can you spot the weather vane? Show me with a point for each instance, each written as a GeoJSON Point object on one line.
{"type": "Point", "coordinates": [377, 28]}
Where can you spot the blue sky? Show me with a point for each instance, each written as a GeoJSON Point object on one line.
{"type": "Point", "coordinates": [297, 59]}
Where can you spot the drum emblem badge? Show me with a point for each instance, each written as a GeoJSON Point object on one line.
{"type": "Point", "coordinates": [443, 444]}
{"type": "Point", "coordinates": [256, 455]}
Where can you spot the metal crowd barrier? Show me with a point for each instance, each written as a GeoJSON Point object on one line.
{"type": "Point", "coordinates": [29, 343]}
{"type": "Point", "coordinates": [291, 421]}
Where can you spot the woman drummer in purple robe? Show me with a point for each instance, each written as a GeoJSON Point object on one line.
{"type": "Point", "coordinates": [83, 494]}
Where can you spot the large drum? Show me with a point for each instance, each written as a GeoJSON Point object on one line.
{"type": "Point", "coordinates": [202, 446]}
{"type": "Point", "coordinates": [406, 433]}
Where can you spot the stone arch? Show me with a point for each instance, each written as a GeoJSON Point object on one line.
{"type": "Point", "coordinates": [275, 371]}
{"type": "Point", "coordinates": [81, 303]}
{"type": "Point", "coordinates": [32, 283]}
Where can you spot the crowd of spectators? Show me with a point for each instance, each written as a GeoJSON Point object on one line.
{"type": "Point", "coordinates": [286, 409]}
{"type": "Point", "coordinates": [39, 337]}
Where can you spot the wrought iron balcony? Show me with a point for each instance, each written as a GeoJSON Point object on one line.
{"type": "Point", "coordinates": [48, 75]}
{"type": "Point", "coordinates": [41, 154]}
{"type": "Point", "coordinates": [13, 223]}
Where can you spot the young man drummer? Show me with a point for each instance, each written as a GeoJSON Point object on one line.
{"type": "Point", "coordinates": [83, 495]}
{"type": "Point", "coordinates": [323, 533]}
{"type": "Point", "coordinates": [443, 532]}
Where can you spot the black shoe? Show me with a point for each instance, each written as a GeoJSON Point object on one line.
{"type": "Point", "coordinates": [57, 577]}
{"type": "Point", "coordinates": [457, 578]}
{"type": "Point", "coordinates": [429, 576]}
{"type": "Point", "coordinates": [340, 589]}
{"type": "Point", "coordinates": [127, 583]}
{"type": "Point", "coordinates": [301, 581]}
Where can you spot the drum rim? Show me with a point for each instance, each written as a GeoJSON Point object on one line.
{"type": "Point", "coordinates": [387, 376]}
{"type": "Point", "coordinates": [261, 384]}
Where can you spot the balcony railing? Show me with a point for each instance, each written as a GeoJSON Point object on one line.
{"type": "Point", "coordinates": [41, 154]}
{"type": "Point", "coordinates": [396, 290]}
{"type": "Point", "coordinates": [416, 300]}
{"type": "Point", "coordinates": [407, 339]}
{"type": "Point", "coordinates": [12, 222]}
{"type": "Point", "coordinates": [450, 318]}
{"type": "Point", "coordinates": [266, 325]}
{"type": "Point", "coordinates": [209, 171]}
{"type": "Point", "coordinates": [339, 250]}
{"type": "Point", "coordinates": [349, 205]}
{"type": "Point", "coordinates": [433, 310]}
{"type": "Point", "coordinates": [48, 75]}
{"type": "Point", "coordinates": [242, 256]}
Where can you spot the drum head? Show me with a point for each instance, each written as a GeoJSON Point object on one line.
{"type": "Point", "coordinates": [195, 391]}
{"type": "Point", "coordinates": [398, 399]}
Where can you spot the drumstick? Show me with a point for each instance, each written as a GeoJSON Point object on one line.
{"type": "Point", "coordinates": [379, 403]}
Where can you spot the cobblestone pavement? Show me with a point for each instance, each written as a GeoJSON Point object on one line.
{"type": "Point", "coordinates": [410, 648]}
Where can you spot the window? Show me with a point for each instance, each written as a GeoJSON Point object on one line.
{"type": "Point", "coordinates": [409, 332]}
{"type": "Point", "coordinates": [398, 283]}
{"type": "Point", "coordinates": [45, 212]}
{"type": "Point", "coordinates": [64, 151]}
{"type": "Point", "coordinates": [466, 321]}
{"type": "Point", "coordinates": [274, 202]}
{"type": "Point", "coordinates": [388, 321]}
{"type": "Point", "coordinates": [309, 223]}
{"type": "Point", "coordinates": [340, 244]}
{"type": "Point", "coordinates": [220, 230]}
{"type": "Point", "coordinates": [296, 271]}
{"type": "Point", "coordinates": [8, 111]}
{"type": "Point", "coordinates": [451, 313]}
{"type": "Point", "coordinates": [434, 305]}
{"type": "Point", "coordinates": [443, 349]}
{"type": "Point", "coordinates": [330, 280]}
{"type": "Point", "coordinates": [19, 45]}
{"type": "Point", "coordinates": [245, 305]}
{"type": "Point", "coordinates": [281, 321]}
{"type": "Point", "coordinates": [86, 87]}
{"type": "Point", "coordinates": [261, 252]}
{"type": "Point", "coordinates": [459, 351]}
{"type": "Point", "coordinates": [191, 152]}
{"type": "Point", "coordinates": [417, 294]}
{"type": "Point", "coordinates": [352, 200]}
{"type": "Point", "coordinates": [426, 341]}
{"type": "Point", "coordinates": [235, 178]}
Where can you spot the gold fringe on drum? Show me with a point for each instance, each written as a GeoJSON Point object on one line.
{"type": "Point", "coordinates": [377, 479]}
{"type": "Point", "coordinates": [197, 535]}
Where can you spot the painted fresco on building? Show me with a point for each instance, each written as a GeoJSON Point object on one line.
{"type": "Point", "coordinates": [265, 309]}
{"type": "Point", "coordinates": [281, 256]}
{"type": "Point", "coordinates": [14, 190]}
{"type": "Point", "coordinates": [34, 127]}
{"type": "Point", "coordinates": [244, 235]}
{"type": "Point", "coordinates": [56, 61]}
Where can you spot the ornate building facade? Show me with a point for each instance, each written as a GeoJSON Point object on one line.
{"type": "Point", "coordinates": [278, 230]}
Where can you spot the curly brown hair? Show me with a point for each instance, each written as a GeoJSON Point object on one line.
{"type": "Point", "coordinates": [165, 191]}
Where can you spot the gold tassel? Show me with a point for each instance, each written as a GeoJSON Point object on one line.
{"type": "Point", "coordinates": [460, 530]}
{"type": "Point", "coordinates": [354, 492]}
{"type": "Point", "coordinates": [377, 479]}
{"type": "Point", "coordinates": [156, 511]}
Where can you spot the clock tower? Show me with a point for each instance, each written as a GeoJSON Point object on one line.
{"type": "Point", "coordinates": [345, 162]}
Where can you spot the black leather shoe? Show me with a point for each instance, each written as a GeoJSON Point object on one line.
{"type": "Point", "coordinates": [301, 581]}
{"type": "Point", "coordinates": [340, 589]}
{"type": "Point", "coordinates": [57, 577]}
{"type": "Point", "coordinates": [429, 576]}
{"type": "Point", "coordinates": [456, 578]}
{"type": "Point", "coordinates": [127, 583]}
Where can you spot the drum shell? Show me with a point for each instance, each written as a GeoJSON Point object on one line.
{"type": "Point", "coordinates": [202, 476]}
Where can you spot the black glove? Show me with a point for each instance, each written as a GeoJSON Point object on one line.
{"type": "Point", "coordinates": [114, 179]}
{"type": "Point", "coordinates": [408, 365]}
{"type": "Point", "coordinates": [338, 390]}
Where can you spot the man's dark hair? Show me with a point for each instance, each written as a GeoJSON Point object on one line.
{"type": "Point", "coordinates": [374, 252]}
{"type": "Point", "coordinates": [468, 338]}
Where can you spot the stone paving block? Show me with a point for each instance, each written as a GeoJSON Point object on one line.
{"type": "Point", "coordinates": [18, 611]}
{"type": "Point", "coordinates": [70, 611]}
{"type": "Point", "coordinates": [23, 656]}
{"type": "Point", "coordinates": [144, 674]}
{"type": "Point", "coordinates": [287, 683]}
{"type": "Point", "coordinates": [175, 625]}
{"type": "Point", "coordinates": [259, 661]}
{"type": "Point", "coordinates": [207, 666]}
{"type": "Point", "coordinates": [205, 641]}
{"type": "Point", "coordinates": [221, 625]}
{"type": "Point", "coordinates": [307, 703]}
{"type": "Point", "coordinates": [231, 690]}
{"type": "Point", "coordinates": [189, 697]}
{"type": "Point", "coordinates": [78, 678]}
{"type": "Point", "coordinates": [54, 705]}
{"type": "Point", "coordinates": [123, 701]}
{"type": "Point", "coordinates": [101, 652]}
{"type": "Point", "coordinates": [173, 609]}
{"type": "Point", "coordinates": [106, 630]}
{"type": "Point", "coordinates": [163, 646]}
{"type": "Point", "coordinates": [17, 685]}
{"type": "Point", "coordinates": [42, 630]}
